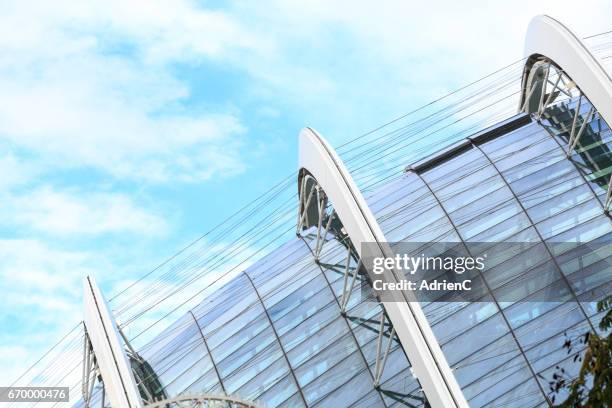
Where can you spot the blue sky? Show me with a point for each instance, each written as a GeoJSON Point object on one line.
{"type": "Point", "coordinates": [128, 128]}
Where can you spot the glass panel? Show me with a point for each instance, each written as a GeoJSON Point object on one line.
{"type": "Point", "coordinates": [306, 310]}
{"type": "Point", "coordinates": [335, 377]}
{"type": "Point", "coordinates": [234, 342]}
{"type": "Point", "coordinates": [479, 336]}
{"type": "Point", "coordinates": [206, 383]}
{"type": "Point", "coordinates": [318, 341]}
{"type": "Point", "coordinates": [568, 219]}
{"type": "Point", "coordinates": [296, 298]}
{"type": "Point", "coordinates": [502, 379]}
{"type": "Point", "coordinates": [310, 326]}
{"type": "Point", "coordinates": [505, 145]}
{"type": "Point", "coordinates": [295, 401]}
{"type": "Point", "coordinates": [254, 367]}
{"type": "Point", "coordinates": [324, 360]}
{"type": "Point", "coordinates": [264, 380]}
{"type": "Point", "coordinates": [245, 352]}
{"type": "Point", "coordinates": [249, 320]}
{"type": "Point", "coordinates": [347, 394]}
{"type": "Point", "coordinates": [280, 392]}
{"type": "Point", "coordinates": [484, 360]}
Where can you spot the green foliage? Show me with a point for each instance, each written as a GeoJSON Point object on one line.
{"type": "Point", "coordinates": [592, 388]}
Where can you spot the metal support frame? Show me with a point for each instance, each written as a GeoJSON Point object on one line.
{"type": "Point", "coordinates": [328, 223]}
{"type": "Point", "coordinates": [549, 45]}
{"type": "Point", "coordinates": [381, 358]}
{"type": "Point", "coordinates": [204, 401]}
{"type": "Point", "coordinates": [140, 382]}
{"type": "Point", "coordinates": [350, 274]}
{"type": "Point", "coordinates": [321, 239]}
{"type": "Point", "coordinates": [608, 201]}
{"type": "Point", "coordinates": [320, 166]}
{"type": "Point", "coordinates": [549, 91]}
{"type": "Point", "coordinates": [90, 372]}
{"type": "Point", "coordinates": [543, 90]}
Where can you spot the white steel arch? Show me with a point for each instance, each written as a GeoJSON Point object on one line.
{"type": "Point", "coordinates": [319, 159]}
{"type": "Point", "coordinates": [112, 361]}
{"type": "Point", "coordinates": [549, 38]}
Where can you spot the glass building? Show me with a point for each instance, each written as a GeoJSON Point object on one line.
{"type": "Point", "coordinates": [280, 332]}
{"type": "Point", "coordinates": [301, 326]}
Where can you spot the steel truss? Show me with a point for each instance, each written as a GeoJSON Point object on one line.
{"type": "Point", "coordinates": [91, 372]}
{"type": "Point", "coordinates": [317, 211]}
{"type": "Point", "coordinates": [324, 180]}
{"type": "Point", "coordinates": [320, 213]}
{"type": "Point", "coordinates": [548, 83]}
{"type": "Point", "coordinates": [381, 357]}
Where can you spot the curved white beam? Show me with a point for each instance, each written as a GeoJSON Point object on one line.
{"type": "Point", "coordinates": [119, 382]}
{"type": "Point", "coordinates": [429, 365]}
{"type": "Point", "coordinates": [547, 37]}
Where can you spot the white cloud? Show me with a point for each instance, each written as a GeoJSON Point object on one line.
{"type": "Point", "coordinates": [71, 94]}
{"type": "Point", "coordinates": [8, 355]}
{"type": "Point", "coordinates": [15, 171]}
{"type": "Point", "coordinates": [91, 83]}
{"type": "Point", "coordinates": [41, 286]}
{"type": "Point", "coordinates": [62, 213]}
{"type": "Point", "coordinates": [31, 266]}
{"type": "Point", "coordinates": [349, 66]}
{"type": "Point", "coordinates": [40, 300]}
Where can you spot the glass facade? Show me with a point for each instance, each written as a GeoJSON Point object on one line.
{"type": "Point", "coordinates": [283, 333]}
{"type": "Point", "coordinates": [276, 334]}
{"type": "Point", "coordinates": [517, 187]}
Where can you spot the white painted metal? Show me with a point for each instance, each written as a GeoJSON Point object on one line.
{"type": "Point", "coordinates": [549, 38]}
{"type": "Point", "coordinates": [90, 371]}
{"type": "Point", "coordinates": [111, 358]}
{"type": "Point", "coordinates": [204, 401]}
{"type": "Point", "coordinates": [381, 359]}
{"type": "Point", "coordinates": [320, 160]}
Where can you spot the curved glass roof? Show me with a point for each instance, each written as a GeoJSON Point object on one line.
{"type": "Point", "coordinates": [276, 333]}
